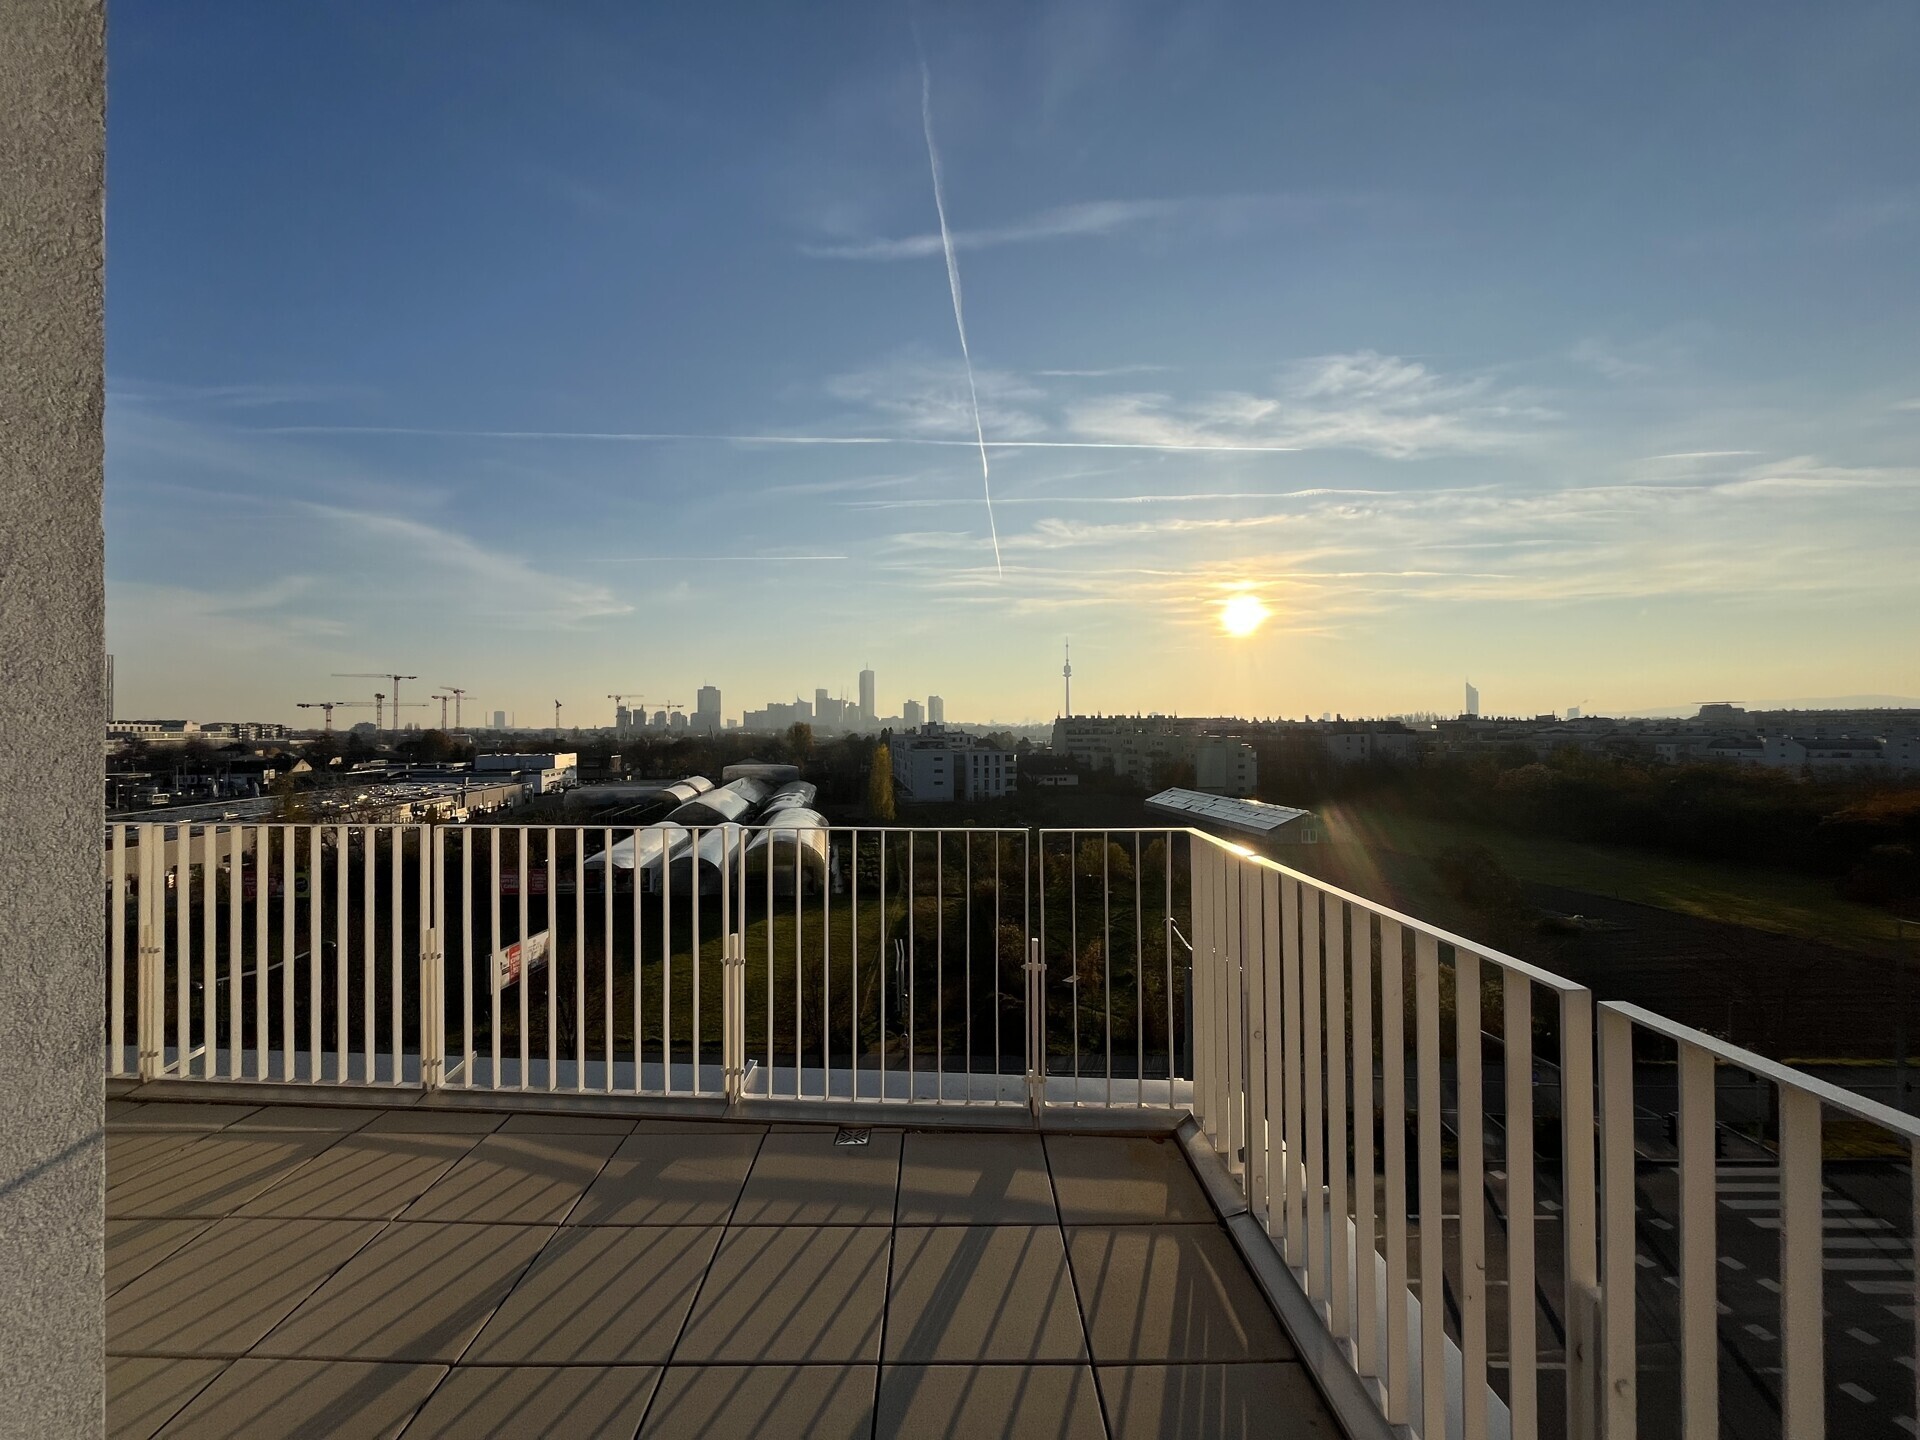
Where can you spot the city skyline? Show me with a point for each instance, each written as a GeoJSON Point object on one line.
{"type": "Point", "coordinates": [649, 364]}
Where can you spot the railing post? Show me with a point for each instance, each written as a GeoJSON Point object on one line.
{"type": "Point", "coordinates": [733, 1016]}
{"type": "Point", "coordinates": [433, 1036]}
{"type": "Point", "coordinates": [1580, 1234]}
{"type": "Point", "coordinates": [1036, 973]}
{"type": "Point", "coordinates": [150, 985]}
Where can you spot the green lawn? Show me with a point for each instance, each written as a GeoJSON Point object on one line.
{"type": "Point", "coordinates": [1769, 900]}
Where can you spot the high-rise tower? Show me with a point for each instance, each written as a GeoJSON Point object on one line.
{"type": "Point", "coordinates": [1066, 675]}
{"type": "Point", "coordinates": [706, 709]}
{"type": "Point", "coordinates": [1473, 699]}
{"type": "Point", "coordinates": [867, 713]}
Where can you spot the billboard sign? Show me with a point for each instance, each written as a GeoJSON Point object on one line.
{"type": "Point", "coordinates": [521, 957]}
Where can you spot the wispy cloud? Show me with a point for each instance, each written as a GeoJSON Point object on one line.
{"type": "Point", "coordinates": [1206, 215]}
{"type": "Point", "coordinates": [1380, 404]}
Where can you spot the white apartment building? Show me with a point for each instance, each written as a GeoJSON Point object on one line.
{"type": "Point", "coordinates": [1138, 747]}
{"type": "Point", "coordinates": [935, 764]}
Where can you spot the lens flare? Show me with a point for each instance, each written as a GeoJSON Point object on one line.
{"type": "Point", "coordinates": [1242, 614]}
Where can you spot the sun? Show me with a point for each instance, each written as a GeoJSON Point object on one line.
{"type": "Point", "coordinates": [1242, 614]}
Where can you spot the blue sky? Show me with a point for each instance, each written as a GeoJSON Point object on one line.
{"type": "Point", "coordinates": [519, 346]}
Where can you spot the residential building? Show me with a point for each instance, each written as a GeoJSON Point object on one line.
{"type": "Point", "coordinates": [1225, 767]}
{"type": "Point", "coordinates": [706, 710]}
{"type": "Point", "coordinates": [1139, 748]}
{"type": "Point", "coordinates": [912, 714]}
{"type": "Point", "coordinates": [936, 764]}
{"type": "Point", "coordinates": [1787, 752]}
{"type": "Point", "coordinates": [544, 773]}
{"type": "Point", "coordinates": [499, 719]}
{"type": "Point", "coordinates": [936, 710]}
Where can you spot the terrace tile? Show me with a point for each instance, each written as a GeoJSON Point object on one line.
{"type": "Point", "coordinates": [434, 1120]}
{"type": "Point", "coordinates": [370, 1177]}
{"type": "Point", "coordinates": [1166, 1293]}
{"type": "Point", "coordinates": [806, 1179]}
{"type": "Point", "coordinates": [982, 1293]}
{"type": "Point", "coordinates": [144, 1392]}
{"type": "Point", "coordinates": [214, 1175]}
{"type": "Point", "coordinates": [303, 1117]}
{"type": "Point", "coordinates": [713, 1402]}
{"type": "Point", "coordinates": [669, 1180]}
{"type": "Point", "coordinates": [600, 1297]}
{"type": "Point", "coordinates": [220, 1293]}
{"type": "Point", "coordinates": [518, 1179]}
{"type": "Point", "coordinates": [544, 1123]}
{"type": "Point", "coordinates": [306, 1400]}
{"type": "Point", "coordinates": [975, 1180]}
{"type": "Point", "coordinates": [136, 1246]}
{"type": "Point", "coordinates": [178, 1115]}
{"type": "Point", "coordinates": [1133, 1181]}
{"type": "Point", "coordinates": [419, 1292]}
{"type": "Point", "coordinates": [1228, 1402]}
{"type": "Point", "coordinates": [959, 1402]}
{"type": "Point", "coordinates": [791, 1296]}
{"type": "Point", "coordinates": [509, 1402]}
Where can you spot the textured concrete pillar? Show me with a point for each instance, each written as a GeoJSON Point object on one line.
{"type": "Point", "coordinates": [52, 711]}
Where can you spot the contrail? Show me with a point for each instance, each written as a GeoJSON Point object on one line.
{"type": "Point", "coordinates": [953, 284]}
{"type": "Point", "coordinates": [668, 436]}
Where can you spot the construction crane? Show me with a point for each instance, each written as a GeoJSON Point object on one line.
{"type": "Point", "coordinates": [379, 712]}
{"type": "Point", "coordinates": [327, 707]}
{"type": "Point", "coordinates": [638, 710]}
{"type": "Point", "coordinates": [382, 675]}
{"type": "Point", "coordinates": [453, 695]}
{"type": "Point", "coordinates": [457, 693]}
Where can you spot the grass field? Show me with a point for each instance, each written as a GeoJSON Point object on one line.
{"type": "Point", "coordinates": [1785, 904]}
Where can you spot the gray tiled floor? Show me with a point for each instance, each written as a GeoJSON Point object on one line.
{"type": "Point", "coordinates": [424, 1272]}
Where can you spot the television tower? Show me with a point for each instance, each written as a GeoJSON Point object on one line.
{"type": "Point", "coordinates": [1066, 675]}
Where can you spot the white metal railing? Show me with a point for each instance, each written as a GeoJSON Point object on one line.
{"type": "Point", "coordinates": [1315, 1008]}
{"type": "Point", "coordinates": [884, 965]}
{"type": "Point", "coordinates": [1472, 1207]}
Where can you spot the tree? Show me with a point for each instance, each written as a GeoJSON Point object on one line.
{"type": "Point", "coordinates": [799, 740]}
{"type": "Point", "coordinates": [880, 784]}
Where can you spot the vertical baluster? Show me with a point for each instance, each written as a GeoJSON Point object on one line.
{"type": "Point", "coordinates": [552, 966]}
{"type": "Point", "coordinates": [236, 951]}
{"type": "Point", "coordinates": [606, 957]}
{"type": "Point", "coordinates": [342, 1013]}
{"type": "Point", "coordinates": [525, 982]}
{"type": "Point", "coordinates": [316, 915]}
{"type": "Point", "coordinates": [1433, 1371]}
{"type": "Point", "coordinates": [116, 949]}
{"type": "Point", "coordinates": [1393, 1096]}
{"type": "Point", "coordinates": [1516, 1047]}
{"type": "Point", "coordinates": [210, 952]}
{"type": "Point", "coordinates": [638, 1057]}
{"type": "Point", "coordinates": [289, 900]}
{"type": "Point", "coordinates": [1294, 1225]}
{"type": "Point", "coordinates": [1254, 922]}
{"type": "Point", "coordinates": [262, 869]}
{"type": "Point", "coordinates": [1579, 1234]}
{"type": "Point", "coordinates": [1699, 1249]}
{"type": "Point", "coordinates": [579, 960]}
{"type": "Point", "coordinates": [1313, 1098]}
{"type": "Point", "coordinates": [1366, 1269]}
{"type": "Point", "coordinates": [369, 903]}
{"type": "Point", "coordinates": [1340, 1253]}
{"type": "Point", "coordinates": [1618, 1246]}
{"type": "Point", "coordinates": [1468, 1099]}
{"type": "Point", "coordinates": [1803, 1390]}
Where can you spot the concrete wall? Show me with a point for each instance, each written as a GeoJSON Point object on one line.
{"type": "Point", "coordinates": [52, 712]}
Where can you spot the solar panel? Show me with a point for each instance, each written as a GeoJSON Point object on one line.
{"type": "Point", "coordinates": [1255, 816]}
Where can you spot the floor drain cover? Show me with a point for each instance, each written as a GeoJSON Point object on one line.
{"type": "Point", "coordinates": [849, 1136]}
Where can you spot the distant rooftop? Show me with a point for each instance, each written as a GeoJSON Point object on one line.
{"type": "Point", "coordinates": [1256, 817]}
